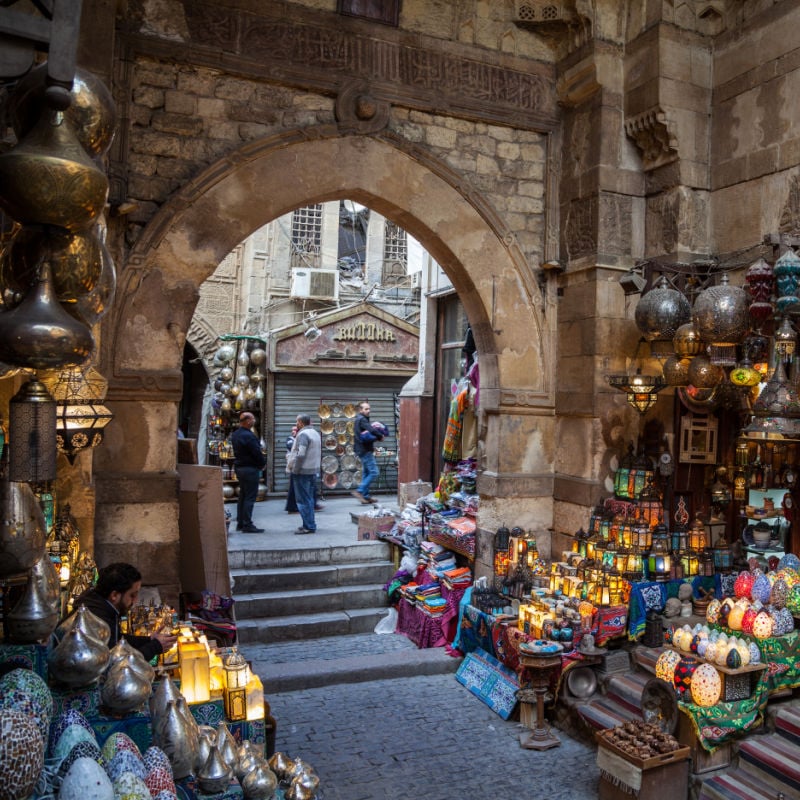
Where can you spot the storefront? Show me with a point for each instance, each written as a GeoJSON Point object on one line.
{"type": "Point", "coordinates": [354, 354]}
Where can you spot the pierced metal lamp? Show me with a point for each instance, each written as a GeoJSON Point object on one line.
{"type": "Point", "coordinates": [81, 417]}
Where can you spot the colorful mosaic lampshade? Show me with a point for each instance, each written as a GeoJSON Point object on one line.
{"type": "Point", "coordinates": [706, 685]}
{"type": "Point", "coordinates": [684, 671]}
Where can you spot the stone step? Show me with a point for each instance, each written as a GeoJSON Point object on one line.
{"type": "Point", "coordinates": [308, 601]}
{"type": "Point", "coordinates": [268, 579]}
{"type": "Point", "coordinates": [266, 558]}
{"type": "Point", "coordinates": [263, 630]}
{"type": "Point", "coordinates": [357, 669]}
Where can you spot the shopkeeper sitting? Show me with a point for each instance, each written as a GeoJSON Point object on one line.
{"type": "Point", "coordinates": [114, 594]}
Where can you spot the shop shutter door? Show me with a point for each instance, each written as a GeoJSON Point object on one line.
{"type": "Point", "coordinates": [295, 394]}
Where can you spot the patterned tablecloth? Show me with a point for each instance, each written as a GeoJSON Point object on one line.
{"type": "Point", "coordinates": [425, 630]}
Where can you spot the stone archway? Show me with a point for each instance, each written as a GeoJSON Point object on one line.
{"type": "Point", "coordinates": [144, 337]}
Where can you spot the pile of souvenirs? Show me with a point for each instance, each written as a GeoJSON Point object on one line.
{"type": "Point", "coordinates": [761, 608]}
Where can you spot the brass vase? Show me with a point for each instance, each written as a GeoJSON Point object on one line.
{"type": "Point", "coordinates": [91, 307]}
{"type": "Point", "coordinates": [33, 618]}
{"type": "Point", "coordinates": [49, 179]}
{"type": "Point", "coordinates": [215, 775]}
{"type": "Point", "coordinates": [22, 528]}
{"type": "Point", "coordinates": [39, 334]}
{"type": "Point", "coordinates": [77, 660]}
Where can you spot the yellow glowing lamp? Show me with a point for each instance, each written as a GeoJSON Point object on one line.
{"type": "Point", "coordinates": [217, 673]}
{"type": "Point", "coordinates": [255, 698]}
{"type": "Point", "coordinates": [195, 671]}
{"type": "Point", "coordinates": [235, 694]}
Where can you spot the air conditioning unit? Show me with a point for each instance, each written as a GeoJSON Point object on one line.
{"type": "Point", "coordinates": [315, 284]}
{"type": "Point", "coordinates": [416, 279]}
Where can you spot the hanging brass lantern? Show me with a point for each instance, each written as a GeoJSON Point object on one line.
{"type": "Point", "coordinates": [48, 178]}
{"type": "Point", "coordinates": [39, 334]}
{"type": "Point", "coordinates": [703, 374]}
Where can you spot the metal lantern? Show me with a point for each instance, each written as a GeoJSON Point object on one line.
{"type": "Point", "coordinates": [616, 587]}
{"type": "Point", "coordinates": [650, 508]}
{"type": "Point", "coordinates": [680, 539]}
{"type": "Point", "coordinates": [785, 340]}
{"type": "Point", "coordinates": [661, 312]}
{"type": "Point", "coordinates": [691, 563]}
{"type": "Point", "coordinates": [698, 538]}
{"type": "Point", "coordinates": [658, 560]}
{"type": "Point", "coordinates": [32, 433]}
{"type": "Point", "coordinates": [787, 276]}
{"type": "Point", "coordinates": [235, 695]}
{"type": "Point", "coordinates": [676, 371]}
{"type": "Point", "coordinates": [721, 317]}
{"type": "Point", "coordinates": [703, 374]}
{"type": "Point", "coordinates": [707, 563]}
{"type": "Point", "coordinates": [642, 390]}
{"type": "Point", "coordinates": [760, 280]}
{"type": "Point", "coordinates": [687, 342]}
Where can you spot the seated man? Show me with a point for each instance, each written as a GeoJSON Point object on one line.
{"type": "Point", "coordinates": [114, 594]}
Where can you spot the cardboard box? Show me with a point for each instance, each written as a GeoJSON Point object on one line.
{"type": "Point", "coordinates": [411, 492]}
{"type": "Point", "coordinates": [369, 527]}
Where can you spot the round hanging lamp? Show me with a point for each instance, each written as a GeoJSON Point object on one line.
{"type": "Point", "coordinates": [661, 312]}
{"type": "Point", "coordinates": [721, 317]}
{"type": "Point", "coordinates": [703, 374]}
{"type": "Point", "coordinates": [676, 371]}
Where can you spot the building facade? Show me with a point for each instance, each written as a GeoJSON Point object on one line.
{"type": "Point", "coordinates": [538, 151]}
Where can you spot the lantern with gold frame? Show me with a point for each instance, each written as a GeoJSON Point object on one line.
{"type": "Point", "coordinates": [676, 568]}
{"type": "Point", "coordinates": [634, 567]}
{"type": "Point", "coordinates": [707, 563]}
{"type": "Point", "coordinates": [698, 536]}
{"type": "Point", "coordinates": [616, 587]}
{"type": "Point", "coordinates": [235, 694]}
{"type": "Point", "coordinates": [650, 507]}
{"type": "Point", "coordinates": [642, 535]}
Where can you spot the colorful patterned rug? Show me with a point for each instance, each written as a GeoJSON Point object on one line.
{"type": "Point", "coordinates": [490, 681]}
{"type": "Point", "coordinates": [767, 765]}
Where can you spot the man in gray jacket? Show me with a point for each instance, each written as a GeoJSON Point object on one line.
{"type": "Point", "coordinates": [304, 465]}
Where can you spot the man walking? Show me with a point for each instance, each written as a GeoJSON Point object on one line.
{"type": "Point", "coordinates": [365, 435]}
{"type": "Point", "coordinates": [248, 461]}
{"type": "Point", "coordinates": [304, 465]}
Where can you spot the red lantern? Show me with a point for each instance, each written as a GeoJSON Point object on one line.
{"type": "Point", "coordinates": [743, 584]}
{"type": "Point", "coordinates": [683, 674]}
{"type": "Point", "coordinates": [747, 621]}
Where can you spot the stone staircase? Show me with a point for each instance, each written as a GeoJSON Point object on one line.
{"type": "Point", "coordinates": [296, 594]}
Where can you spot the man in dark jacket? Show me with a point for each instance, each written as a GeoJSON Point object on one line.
{"type": "Point", "coordinates": [364, 437]}
{"type": "Point", "coordinates": [248, 461]}
{"type": "Point", "coordinates": [114, 594]}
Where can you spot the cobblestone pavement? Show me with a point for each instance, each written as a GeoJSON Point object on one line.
{"type": "Point", "coordinates": [329, 648]}
{"type": "Point", "coordinates": [423, 737]}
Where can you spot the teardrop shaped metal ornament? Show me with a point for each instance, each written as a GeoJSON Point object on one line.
{"type": "Point", "coordinates": [165, 692]}
{"type": "Point", "coordinates": [39, 334]}
{"type": "Point", "coordinates": [175, 738]}
{"type": "Point", "coordinates": [33, 619]}
{"type": "Point", "coordinates": [44, 572]}
{"type": "Point", "coordinates": [89, 624]}
{"type": "Point", "coordinates": [124, 690]}
{"type": "Point", "coordinates": [78, 660]}
{"type": "Point", "coordinates": [22, 528]}
{"type": "Point", "coordinates": [215, 775]}
{"type": "Point", "coordinates": [259, 783]}
{"type": "Point", "coordinates": [49, 179]}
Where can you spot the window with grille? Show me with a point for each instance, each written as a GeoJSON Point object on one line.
{"type": "Point", "coordinates": [307, 236]}
{"type": "Point", "coordinates": [395, 254]}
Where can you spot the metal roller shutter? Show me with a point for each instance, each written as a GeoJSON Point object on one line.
{"type": "Point", "coordinates": [296, 394]}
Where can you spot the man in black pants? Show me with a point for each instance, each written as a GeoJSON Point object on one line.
{"type": "Point", "coordinates": [248, 461]}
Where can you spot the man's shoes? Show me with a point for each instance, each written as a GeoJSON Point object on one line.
{"type": "Point", "coordinates": [367, 501]}
{"type": "Point", "coordinates": [251, 529]}
{"type": "Point", "coordinates": [301, 531]}
{"type": "Point", "coordinates": [358, 495]}
{"type": "Point", "coordinates": [319, 507]}
{"type": "Point", "coordinates": [292, 512]}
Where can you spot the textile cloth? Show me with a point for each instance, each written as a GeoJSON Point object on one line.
{"type": "Point", "coordinates": [719, 724]}
{"type": "Point", "coordinates": [653, 595]}
{"type": "Point", "coordinates": [426, 631]}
